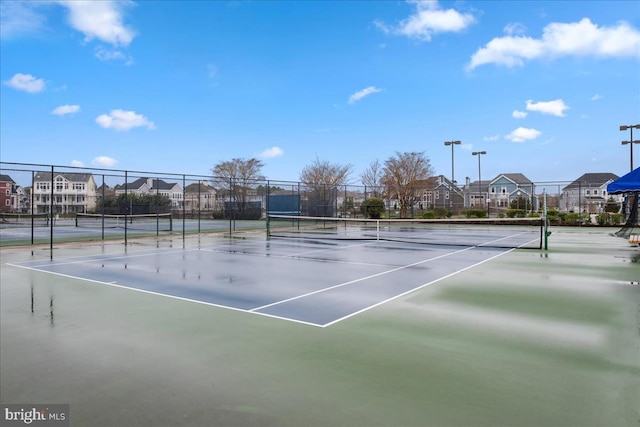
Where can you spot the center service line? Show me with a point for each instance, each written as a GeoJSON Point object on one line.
{"type": "Point", "coordinates": [358, 280]}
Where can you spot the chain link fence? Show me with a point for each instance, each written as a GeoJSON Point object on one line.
{"type": "Point", "coordinates": [49, 203]}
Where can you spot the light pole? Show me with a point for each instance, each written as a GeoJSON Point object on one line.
{"type": "Point", "coordinates": [630, 141]}
{"type": "Point", "coordinates": [479, 153]}
{"type": "Point", "coordinates": [453, 181]}
{"type": "Point", "coordinates": [452, 144]}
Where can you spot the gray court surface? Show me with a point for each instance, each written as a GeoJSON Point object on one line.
{"type": "Point", "coordinates": [210, 331]}
{"type": "Point", "coordinates": [294, 280]}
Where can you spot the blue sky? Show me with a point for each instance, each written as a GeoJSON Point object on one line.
{"type": "Point", "coordinates": [178, 86]}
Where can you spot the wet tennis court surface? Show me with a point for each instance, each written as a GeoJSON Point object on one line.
{"type": "Point", "coordinates": [313, 283]}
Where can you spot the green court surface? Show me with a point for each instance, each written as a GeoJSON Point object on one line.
{"type": "Point", "coordinates": [529, 338]}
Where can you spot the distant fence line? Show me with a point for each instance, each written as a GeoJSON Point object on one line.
{"type": "Point", "coordinates": [40, 203]}
{"type": "Point", "coordinates": [117, 191]}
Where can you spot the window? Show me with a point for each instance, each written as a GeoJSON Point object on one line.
{"type": "Point", "coordinates": [8, 192]}
{"type": "Point", "coordinates": [78, 185]}
{"type": "Point", "coordinates": [503, 190]}
{"type": "Point", "coordinates": [493, 190]}
{"type": "Point", "coordinates": [7, 202]}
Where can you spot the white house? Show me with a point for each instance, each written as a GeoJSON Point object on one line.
{"type": "Point", "coordinates": [141, 186]}
{"type": "Point", "coordinates": [72, 192]}
{"type": "Point", "coordinates": [587, 194]}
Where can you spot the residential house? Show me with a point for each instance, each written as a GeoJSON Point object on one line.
{"type": "Point", "coordinates": [142, 186]}
{"type": "Point", "coordinates": [8, 194]}
{"type": "Point", "coordinates": [72, 192]}
{"type": "Point", "coordinates": [509, 187]}
{"type": "Point", "coordinates": [476, 194]}
{"type": "Point", "coordinates": [588, 194]}
{"type": "Point", "coordinates": [439, 192]}
{"type": "Point", "coordinates": [200, 196]}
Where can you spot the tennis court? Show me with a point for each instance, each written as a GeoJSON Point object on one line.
{"type": "Point", "coordinates": [212, 331]}
{"type": "Point", "coordinates": [292, 280]}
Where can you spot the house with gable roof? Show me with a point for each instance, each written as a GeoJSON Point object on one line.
{"type": "Point", "coordinates": [507, 187]}
{"type": "Point", "coordinates": [439, 192]}
{"type": "Point", "coordinates": [142, 186]}
{"type": "Point", "coordinates": [475, 194]}
{"type": "Point", "coordinates": [64, 192]}
{"type": "Point", "coordinates": [200, 196]}
{"type": "Point", "coordinates": [8, 194]}
{"type": "Point", "coordinates": [588, 193]}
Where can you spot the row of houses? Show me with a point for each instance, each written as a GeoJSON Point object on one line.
{"type": "Point", "coordinates": [73, 192]}
{"type": "Point", "coordinates": [78, 192]}
{"type": "Point", "coordinates": [586, 194]}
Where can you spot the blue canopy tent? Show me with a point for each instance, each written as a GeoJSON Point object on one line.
{"type": "Point", "coordinates": [628, 184]}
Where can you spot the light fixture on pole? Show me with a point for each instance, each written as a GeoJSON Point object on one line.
{"type": "Point", "coordinates": [479, 153]}
{"type": "Point", "coordinates": [630, 141]}
{"type": "Point", "coordinates": [452, 144]}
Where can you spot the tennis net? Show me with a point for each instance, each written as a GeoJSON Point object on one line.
{"type": "Point", "coordinates": [491, 232]}
{"type": "Point", "coordinates": [144, 222]}
{"type": "Point", "coordinates": [24, 220]}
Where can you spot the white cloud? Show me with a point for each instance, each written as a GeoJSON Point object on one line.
{"type": "Point", "coordinates": [596, 97]}
{"type": "Point", "coordinates": [26, 83]}
{"type": "Point", "coordinates": [77, 163]}
{"type": "Point", "coordinates": [18, 17]}
{"type": "Point", "coordinates": [65, 109]}
{"type": "Point", "coordinates": [555, 107]}
{"type": "Point", "coordinates": [523, 134]}
{"type": "Point", "coordinates": [491, 138]}
{"type": "Point", "coordinates": [428, 19]}
{"type": "Point", "coordinates": [104, 161]}
{"type": "Point", "coordinates": [272, 152]}
{"type": "Point", "coordinates": [123, 120]}
{"type": "Point", "coordinates": [519, 114]}
{"type": "Point", "coordinates": [104, 54]}
{"type": "Point", "coordinates": [364, 92]}
{"type": "Point", "coordinates": [102, 20]}
{"type": "Point", "coordinates": [582, 38]}
{"type": "Point", "coordinates": [514, 29]}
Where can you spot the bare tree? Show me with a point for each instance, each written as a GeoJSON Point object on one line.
{"type": "Point", "coordinates": [322, 179]}
{"type": "Point", "coordinates": [237, 177]}
{"type": "Point", "coordinates": [324, 173]}
{"type": "Point", "coordinates": [371, 178]}
{"type": "Point", "coordinates": [403, 174]}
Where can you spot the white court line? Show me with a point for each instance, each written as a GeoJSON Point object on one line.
{"type": "Point", "coordinates": [359, 279]}
{"type": "Point", "coordinates": [355, 313]}
{"type": "Point", "coordinates": [509, 237]}
{"type": "Point", "coordinates": [87, 259]}
{"type": "Point", "coordinates": [115, 285]}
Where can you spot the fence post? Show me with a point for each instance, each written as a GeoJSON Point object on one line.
{"type": "Point", "coordinates": [51, 217]}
